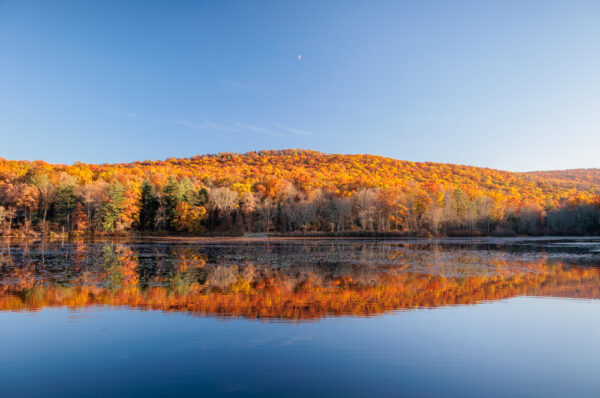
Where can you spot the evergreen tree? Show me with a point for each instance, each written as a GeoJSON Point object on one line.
{"type": "Point", "coordinates": [148, 205]}
{"type": "Point", "coordinates": [176, 192]}
{"type": "Point", "coordinates": [114, 206]}
{"type": "Point", "coordinates": [202, 197]}
{"type": "Point", "coordinates": [172, 198]}
{"type": "Point", "coordinates": [64, 205]}
{"type": "Point", "coordinates": [188, 192]}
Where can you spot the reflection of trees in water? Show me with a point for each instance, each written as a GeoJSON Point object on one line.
{"type": "Point", "coordinates": [119, 266]}
{"type": "Point", "coordinates": [238, 291]}
{"type": "Point", "coordinates": [296, 281]}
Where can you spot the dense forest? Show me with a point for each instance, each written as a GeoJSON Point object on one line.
{"type": "Point", "coordinates": [293, 192]}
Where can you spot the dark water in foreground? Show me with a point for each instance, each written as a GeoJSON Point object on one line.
{"type": "Point", "coordinates": [487, 317]}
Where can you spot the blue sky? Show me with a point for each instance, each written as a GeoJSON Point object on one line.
{"type": "Point", "coordinates": [507, 84]}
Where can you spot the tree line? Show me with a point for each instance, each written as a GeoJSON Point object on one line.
{"type": "Point", "coordinates": [38, 204]}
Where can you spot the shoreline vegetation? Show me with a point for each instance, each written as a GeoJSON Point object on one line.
{"type": "Point", "coordinates": [293, 193]}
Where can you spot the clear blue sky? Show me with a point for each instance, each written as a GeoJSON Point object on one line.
{"type": "Point", "coordinates": [506, 84]}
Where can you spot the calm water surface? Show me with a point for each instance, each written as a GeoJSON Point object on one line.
{"type": "Point", "coordinates": [241, 317]}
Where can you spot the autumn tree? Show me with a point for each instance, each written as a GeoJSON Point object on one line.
{"type": "Point", "coordinates": [81, 220]}
{"type": "Point", "coordinates": [25, 199]}
{"type": "Point", "coordinates": [365, 201]}
{"type": "Point", "coordinates": [93, 196]}
{"type": "Point", "coordinates": [266, 209]}
{"type": "Point", "coordinates": [342, 208]}
{"type": "Point", "coordinates": [248, 206]}
{"type": "Point", "coordinates": [6, 218]}
{"type": "Point", "coordinates": [189, 217]}
{"type": "Point", "coordinates": [223, 201]}
{"type": "Point", "coordinates": [47, 193]}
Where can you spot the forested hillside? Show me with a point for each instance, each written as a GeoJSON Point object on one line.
{"type": "Point", "coordinates": [293, 191]}
{"type": "Point", "coordinates": [580, 178]}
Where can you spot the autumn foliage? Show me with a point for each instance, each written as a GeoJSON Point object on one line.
{"type": "Point", "coordinates": [293, 191]}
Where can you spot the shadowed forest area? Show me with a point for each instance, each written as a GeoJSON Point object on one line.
{"type": "Point", "coordinates": [294, 192]}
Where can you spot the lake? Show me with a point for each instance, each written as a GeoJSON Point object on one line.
{"type": "Point", "coordinates": [153, 317]}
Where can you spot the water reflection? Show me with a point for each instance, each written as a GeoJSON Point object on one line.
{"type": "Point", "coordinates": [290, 280]}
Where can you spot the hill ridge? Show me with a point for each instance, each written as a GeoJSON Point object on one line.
{"type": "Point", "coordinates": [403, 194]}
